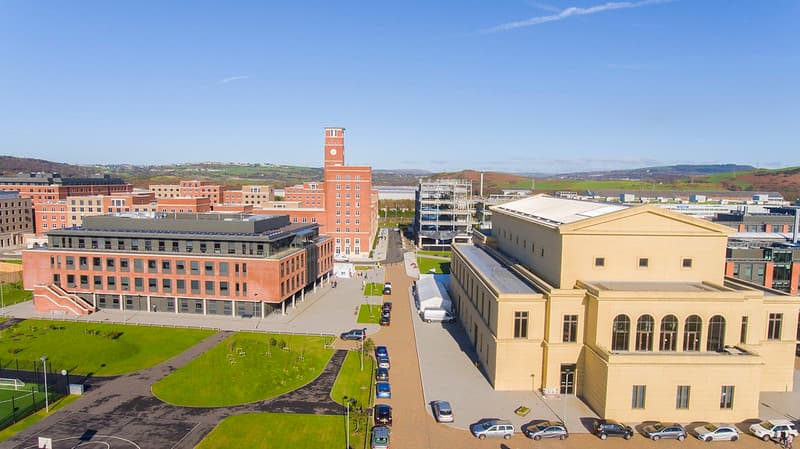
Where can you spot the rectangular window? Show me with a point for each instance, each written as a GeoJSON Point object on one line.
{"type": "Point", "coordinates": [637, 399]}
{"type": "Point", "coordinates": [209, 287]}
{"type": "Point", "coordinates": [125, 283]}
{"type": "Point", "coordinates": [520, 324]}
{"type": "Point", "coordinates": [195, 284]}
{"type": "Point", "coordinates": [743, 331]}
{"type": "Point", "coordinates": [166, 285]}
{"type": "Point", "coordinates": [195, 267]}
{"type": "Point", "coordinates": [209, 268]}
{"type": "Point", "coordinates": [682, 397]}
{"type": "Point", "coordinates": [138, 265]}
{"type": "Point", "coordinates": [726, 397]}
{"type": "Point", "coordinates": [180, 266]}
{"type": "Point", "coordinates": [180, 285]}
{"type": "Point", "coordinates": [123, 265]}
{"type": "Point", "coordinates": [166, 266]}
{"type": "Point", "coordinates": [687, 263]}
{"type": "Point", "coordinates": [570, 333]}
{"type": "Point", "coordinates": [138, 284]}
{"type": "Point", "coordinates": [152, 285]}
{"type": "Point", "coordinates": [223, 268]}
{"type": "Point", "coordinates": [111, 264]}
{"type": "Point", "coordinates": [643, 262]}
{"type": "Point", "coordinates": [152, 266]}
{"type": "Point", "coordinates": [774, 327]}
{"type": "Point", "coordinates": [599, 261]}
{"type": "Point", "coordinates": [111, 282]}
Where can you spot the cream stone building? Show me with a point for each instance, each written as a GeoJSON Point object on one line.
{"type": "Point", "coordinates": [628, 308]}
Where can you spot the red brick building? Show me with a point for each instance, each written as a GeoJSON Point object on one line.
{"type": "Point", "coordinates": [52, 187]}
{"type": "Point", "coordinates": [242, 265]}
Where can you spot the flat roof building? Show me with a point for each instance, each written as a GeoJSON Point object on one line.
{"type": "Point", "coordinates": [222, 264]}
{"type": "Point", "coordinates": [628, 308]}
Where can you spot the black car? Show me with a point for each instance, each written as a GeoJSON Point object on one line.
{"type": "Point", "coordinates": [354, 334]}
{"type": "Point", "coordinates": [605, 428]}
{"type": "Point", "coordinates": [382, 414]}
{"type": "Point", "coordinates": [382, 375]}
{"type": "Point", "coordinates": [385, 320]}
{"type": "Point", "coordinates": [387, 305]}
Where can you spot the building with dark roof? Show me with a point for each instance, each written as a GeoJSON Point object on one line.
{"type": "Point", "coordinates": [216, 264]}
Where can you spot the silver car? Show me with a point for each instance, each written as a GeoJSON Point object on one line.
{"type": "Point", "coordinates": [493, 428]}
{"type": "Point", "coordinates": [547, 429]}
{"type": "Point", "coordinates": [661, 430]}
{"type": "Point", "coordinates": [380, 437]}
{"type": "Point", "coordinates": [442, 411]}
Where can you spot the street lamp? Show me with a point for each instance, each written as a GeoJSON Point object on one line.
{"type": "Point", "coordinates": [347, 421]}
{"type": "Point", "coordinates": [44, 367]}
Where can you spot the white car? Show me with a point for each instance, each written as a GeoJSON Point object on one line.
{"type": "Point", "coordinates": [771, 429]}
{"type": "Point", "coordinates": [717, 432]}
{"type": "Point", "coordinates": [442, 411]}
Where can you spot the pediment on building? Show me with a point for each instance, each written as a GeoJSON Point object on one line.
{"type": "Point", "coordinates": [644, 220]}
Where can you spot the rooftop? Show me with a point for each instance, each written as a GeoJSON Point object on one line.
{"type": "Point", "coordinates": [555, 211]}
{"type": "Point", "coordinates": [503, 279]}
{"type": "Point", "coordinates": [654, 286]}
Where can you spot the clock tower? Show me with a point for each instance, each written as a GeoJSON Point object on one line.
{"type": "Point", "coordinates": [334, 147]}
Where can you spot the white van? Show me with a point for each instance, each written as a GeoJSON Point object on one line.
{"type": "Point", "coordinates": [430, 315]}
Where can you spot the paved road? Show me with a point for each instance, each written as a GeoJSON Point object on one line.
{"type": "Point", "coordinates": [123, 412]}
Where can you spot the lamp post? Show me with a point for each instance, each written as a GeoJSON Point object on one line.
{"type": "Point", "coordinates": [347, 421]}
{"type": "Point", "coordinates": [44, 367]}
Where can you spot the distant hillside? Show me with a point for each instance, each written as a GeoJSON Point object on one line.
{"type": "Point", "coordinates": [493, 182]}
{"type": "Point", "coordinates": [11, 165]}
{"type": "Point", "coordinates": [664, 173]}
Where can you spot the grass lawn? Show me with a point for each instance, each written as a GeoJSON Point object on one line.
{"type": "Point", "coordinates": [364, 314]}
{"type": "Point", "coordinates": [356, 384]}
{"type": "Point", "coordinates": [239, 370]}
{"type": "Point", "coordinates": [373, 289]}
{"type": "Point", "coordinates": [447, 254]}
{"type": "Point", "coordinates": [425, 264]}
{"type": "Point", "coordinates": [14, 261]}
{"type": "Point", "coordinates": [278, 431]}
{"type": "Point", "coordinates": [19, 426]}
{"type": "Point", "coordinates": [14, 293]}
{"type": "Point", "coordinates": [94, 348]}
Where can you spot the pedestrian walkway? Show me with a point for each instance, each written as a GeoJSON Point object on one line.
{"type": "Point", "coordinates": [327, 310]}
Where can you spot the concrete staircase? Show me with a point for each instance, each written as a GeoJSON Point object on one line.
{"type": "Point", "coordinates": [52, 298]}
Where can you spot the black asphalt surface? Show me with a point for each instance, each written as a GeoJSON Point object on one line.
{"type": "Point", "coordinates": [394, 250]}
{"type": "Point", "coordinates": [122, 413]}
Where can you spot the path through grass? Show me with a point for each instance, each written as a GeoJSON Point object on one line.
{"type": "Point", "coordinates": [245, 367]}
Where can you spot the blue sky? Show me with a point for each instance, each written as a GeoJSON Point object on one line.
{"type": "Point", "coordinates": [510, 85]}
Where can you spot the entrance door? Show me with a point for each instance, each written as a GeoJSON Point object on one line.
{"type": "Point", "coordinates": [568, 378]}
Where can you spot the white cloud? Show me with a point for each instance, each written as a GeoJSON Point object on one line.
{"type": "Point", "coordinates": [233, 78]}
{"type": "Point", "coordinates": [572, 11]}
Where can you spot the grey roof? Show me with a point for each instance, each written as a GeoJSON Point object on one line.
{"type": "Point", "coordinates": [501, 277]}
{"type": "Point", "coordinates": [551, 211]}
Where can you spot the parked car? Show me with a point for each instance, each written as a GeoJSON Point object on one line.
{"type": "Point", "coordinates": [442, 411]}
{"type": "Point", "coordinates": [381, 351]}
{"type": "Point", "coordinates": [387, 305]}
{"type": "Point", "coordinates": [380, 437]}
{"type": "Point", "coordinates": [493, 428]}
{"type": "Point", "coordinates": [382, 414]}
{"type": "Point", "coordinates": [438, 315]}
{"type": "Point", "coordinates": [661, 430]}
{"type": "Point", "coordinates": [547, 429]}
{"type": "Point", "coordinates": [773, 428]}
{"type": "Point", "coordinates": [383, 390]}
{"type": "Point", "coordinates": [605, 428]}
{"type": "Point", "coordinates": [386, 313]}
{"type": "Point", "coordinates": [717, 432]}
{"type": "Point", "coordinates": [387, 288]}
{"type": "Point", "coordinates": [354, 334]}
{"type": "Point", "coordinates": [382, 374]}
{"type": "Point", "coordinates": [385, 320]}
{"type": "Point", "coordinates": [383, 362]}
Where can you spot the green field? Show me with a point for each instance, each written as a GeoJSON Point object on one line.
{"type": "Point", "coordinates": [14, 293]}
{"type": "Point", "coordinates": [21, 402]}
{"type": "Point", "coordinates": [373, 289]}
{"type": "Point", "coordinates": [355, 384]}
{"type": "Point", "coordinates": [364, 315]}
{"type": "Point", "coordinates": [447, 254]}
{"type": "Point", "coordinates": [94, 348]}
{"type": "Point", "coordinates": [277, 431]}
{"type": "Point", "coordinates": [426, 264]}
{"type": "Point", "coordinates": [24, 423]}
{"type": "Point", "coordinates": [245, 367]}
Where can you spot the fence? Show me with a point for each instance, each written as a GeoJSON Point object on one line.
{"type": "Point", "coordinates": [18, 402]}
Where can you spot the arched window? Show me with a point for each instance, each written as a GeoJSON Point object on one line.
{"type": "Point", "coordinates": [716, 334]}
{"type": "Point", "coordinates": [644, 333]}
{"type": "Point", "coordinates": [621, 329]}
{"type": "Point", "coordinates": [669, 334]}
{"type": "Point", "coordinates": [692, 328]}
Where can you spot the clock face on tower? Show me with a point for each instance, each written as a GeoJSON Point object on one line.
{"type": "Point", "coordinates": [333, 151]}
